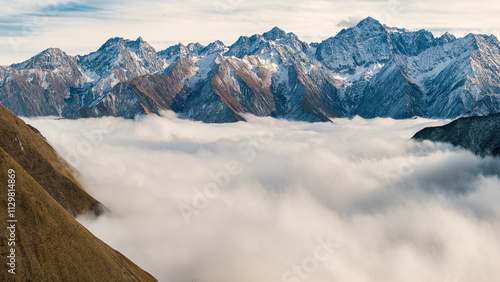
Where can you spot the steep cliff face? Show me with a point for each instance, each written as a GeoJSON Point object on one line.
{"type": "Point", "coordinates": [480, 135]}
{"type": "Point", "coordinates": [402, 98]}
{"type": "Point", "coordinates": [370, 70]}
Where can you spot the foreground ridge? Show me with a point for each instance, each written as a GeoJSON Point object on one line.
{"type": "Point", "coordinates": [41, 239]}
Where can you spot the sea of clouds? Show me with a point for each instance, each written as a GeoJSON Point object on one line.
{"type": "Point", "coordinates": [273, 200]}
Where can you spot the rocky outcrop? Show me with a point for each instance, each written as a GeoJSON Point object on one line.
{"type": "Point", "coordinates": [480, 135]}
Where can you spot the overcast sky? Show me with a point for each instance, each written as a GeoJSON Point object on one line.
{"type": "Point", "coordinates": [81, 26]}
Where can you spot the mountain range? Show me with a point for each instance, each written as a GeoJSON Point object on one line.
{"type": "Point", "coordinates": [370, 70]}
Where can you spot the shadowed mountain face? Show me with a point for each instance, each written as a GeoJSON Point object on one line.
{"type": "Point", "coordinates": [370, 70]}
{"type": "Point", "coordinates": [30, 150]}
{"type": "Point", "coordinates": [480, 135]}
{"type": "Point", "coordinates": [50, 245]}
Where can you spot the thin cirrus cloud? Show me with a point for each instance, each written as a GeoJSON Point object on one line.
{"type": "Point", "coordinates": [387, 208]}
{"type": "Point", "coordinates": [20, 10]}
{"type": "Point", "coordinates": [70, 9]}
{"type": "Point", "coordinates": [79, 27]}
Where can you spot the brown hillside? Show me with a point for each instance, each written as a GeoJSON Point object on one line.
{"type": "Point", "coordinates": [28, 148]}
{"type": "Point", "coordinates": [50, 244]}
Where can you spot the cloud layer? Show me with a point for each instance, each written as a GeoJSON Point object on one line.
{"type": "Point", "coordinates": [274, 200]}
{"type": "Point", "coordinates": [81, 26]}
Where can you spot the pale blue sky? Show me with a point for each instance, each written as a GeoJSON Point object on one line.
{"type": "Point", "coordinates": [81, 26]}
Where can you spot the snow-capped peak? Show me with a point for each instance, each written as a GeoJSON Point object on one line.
{"type": "Point", "coordinates": [274, 34]}
{"type": "Point", "coordinates": [447, 38]}
{"type": "Point", "coordinates": [369, 23]}
{"type": "Point", "coordinates": [51, 58]}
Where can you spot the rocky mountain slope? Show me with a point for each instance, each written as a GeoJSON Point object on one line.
{"type": "Point", "coordinates": [480, 135]}
{"type": "Point", "coordinates": [49, 244]}
{"type": "Point", "coordinates": [370, 70]}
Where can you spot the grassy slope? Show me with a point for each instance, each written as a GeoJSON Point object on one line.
{"type": "Point", "coordinates": [51, 244]}
{"type": "Point", "coordinates": [28, 148]}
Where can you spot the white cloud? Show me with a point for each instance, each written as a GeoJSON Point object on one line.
{"type": "Point", "coordinates": [399, 210]}
{"type": "Point", "coordinates": [349, 22]}
{"type": "Point", "coordinates": [164, 23]}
